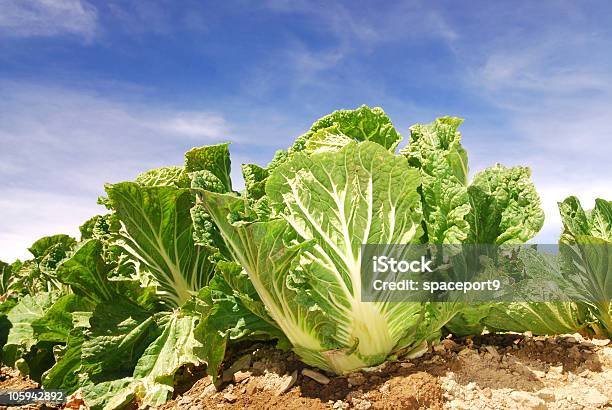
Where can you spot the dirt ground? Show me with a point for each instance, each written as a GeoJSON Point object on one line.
{"type": "Point", "coordinates": [485, 372]}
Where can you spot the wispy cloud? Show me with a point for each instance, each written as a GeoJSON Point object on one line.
{"type": "Point", "coordinates": [59, 146]}
{"type": "Point", "coordinates": [555, 99]}
{"type": "Point", "coordinates": [349, 33]}
{"type": "Point", "coordinates": [31, 214]}
{"type": "Point", "coordinates": [43, 18]}
{"type": "Point", "coordinates": [77, 140]}
{"type": "Point", "coordinates": [196, 125]}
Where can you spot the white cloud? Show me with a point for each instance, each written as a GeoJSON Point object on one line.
{"type": "Point", "coordinates": [555, 104]}
{"type": "Point", "coordinates": [58, 147]}
{"type": "Point", "coordinates": [42, 18]}
{"type": "Point", "coordinates": [196, 125]}
{"type": "Point", "coordinates": [28, 215]}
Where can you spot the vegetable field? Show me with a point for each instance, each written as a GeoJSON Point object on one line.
{"type": "Point", "coordinates": [183, 286]}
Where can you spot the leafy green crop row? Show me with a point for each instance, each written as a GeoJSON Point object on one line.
{"type": "Point", "coordinates": [181, 265]}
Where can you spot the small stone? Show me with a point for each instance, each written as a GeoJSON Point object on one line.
{"type": "Point", "coordinates": [594, 398]}
{"type": "Point", "coordinates": [449, 344]}
{"type": "Point", "coordinates": [470, 386]}
{"type": "Point", "coordinates": [209, 390]}
{"type": "Point", "coordinates": [600, 342]}
{"type": "Point", "coordinates": [355, 394]}
{"type": "Point", "coordinates": [528, 401]}
{"type": "Point", "coordinates": [546, 395]}
{"type": "Point", "coordinates": [528, 333]}
{"type": "Point", "coordinates": [361, 404]}
{"type": "Point", "coordinates": [241, 376]}
{"type": "Point", "coordinates": [259, 366]}
{"type": "Point", "coordinates": [316, 376]}
{"type": "Point", "coordinates": [438, 348]}
{"type": "Point", "coordinates": [487, 392]}
{"type": "Point", "coordinates": [578, 337]}
{"type": "Point", "coordinates": [252, 388]}
{"type": "Point", "coordinates": [492, 350]}
{"type": "Point", "coordinates": [356, 379]}
{"type": "Point", "coordinates": [570, 339]}
{"type": "Point", "coordinates": [339, 404]}
{"type": "Point", "coordinates": [229, 397]}
{"type": "Point", "coordinates": [185, 400]}
{"type": "Point", "coordinates": [243, 363]}
{"type": "Point", "coordinates": [287, 383]}
{"type": "Point", "coordinates": [406, 365]}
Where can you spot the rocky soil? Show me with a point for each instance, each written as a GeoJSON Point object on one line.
{"type": "Point", "coordinates": [485, 372]}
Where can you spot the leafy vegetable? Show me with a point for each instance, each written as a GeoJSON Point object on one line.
{"type": "Point", "coordinates": [586, 251]}
{"type": "Point", "coordinates": [306, 266]}
{"type": "Point", "coordinates": [180, 266]}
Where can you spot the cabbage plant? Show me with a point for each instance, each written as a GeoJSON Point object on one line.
{"type": "Point", "coordinates": [297, 230]}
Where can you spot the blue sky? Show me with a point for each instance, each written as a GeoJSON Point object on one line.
{"type": "Point", "coordinates": [95, 92]}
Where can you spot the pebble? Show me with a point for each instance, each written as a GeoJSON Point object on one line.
{"type": "Point", "coordinates": [230, 397]}
{"type": "Point", "coordinates": [600, 342]}
{"type": "Point", "coordinates": [185, 400]}
{"type": "Point", "coordinates": [595, 398]}
{"type": "Point", "coordinates": [287, 383]}
{"type": "Point", "coordinates": [260, 366]}
{"type": "Point", "coordinates": [546, 395]}
{"type": "Point", "coordinates": [356, 379]}
{"type": "Point", "coordinates": [316, 376]}
{"type": "Point", "coordinates": [492, 350]}
{"type": "Point", "coordinates": [528, 401]}
{"type": "Point", "coordinates": [361, 404]}
{"type": "Point", "coordinates": [252, 388]}
{"type": "Point", "coordinates": [209, 390]}
{"type": "Point", "coordinates": [438, 348]}
{"type": "Point", "coordinates": [241, 376]}
{"type": "Point", "coordinates": [449, 344]}
{"type": "Point", "coordinates": [339, 404]}
{"type": "Point", "coordinates": [243, 363]}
